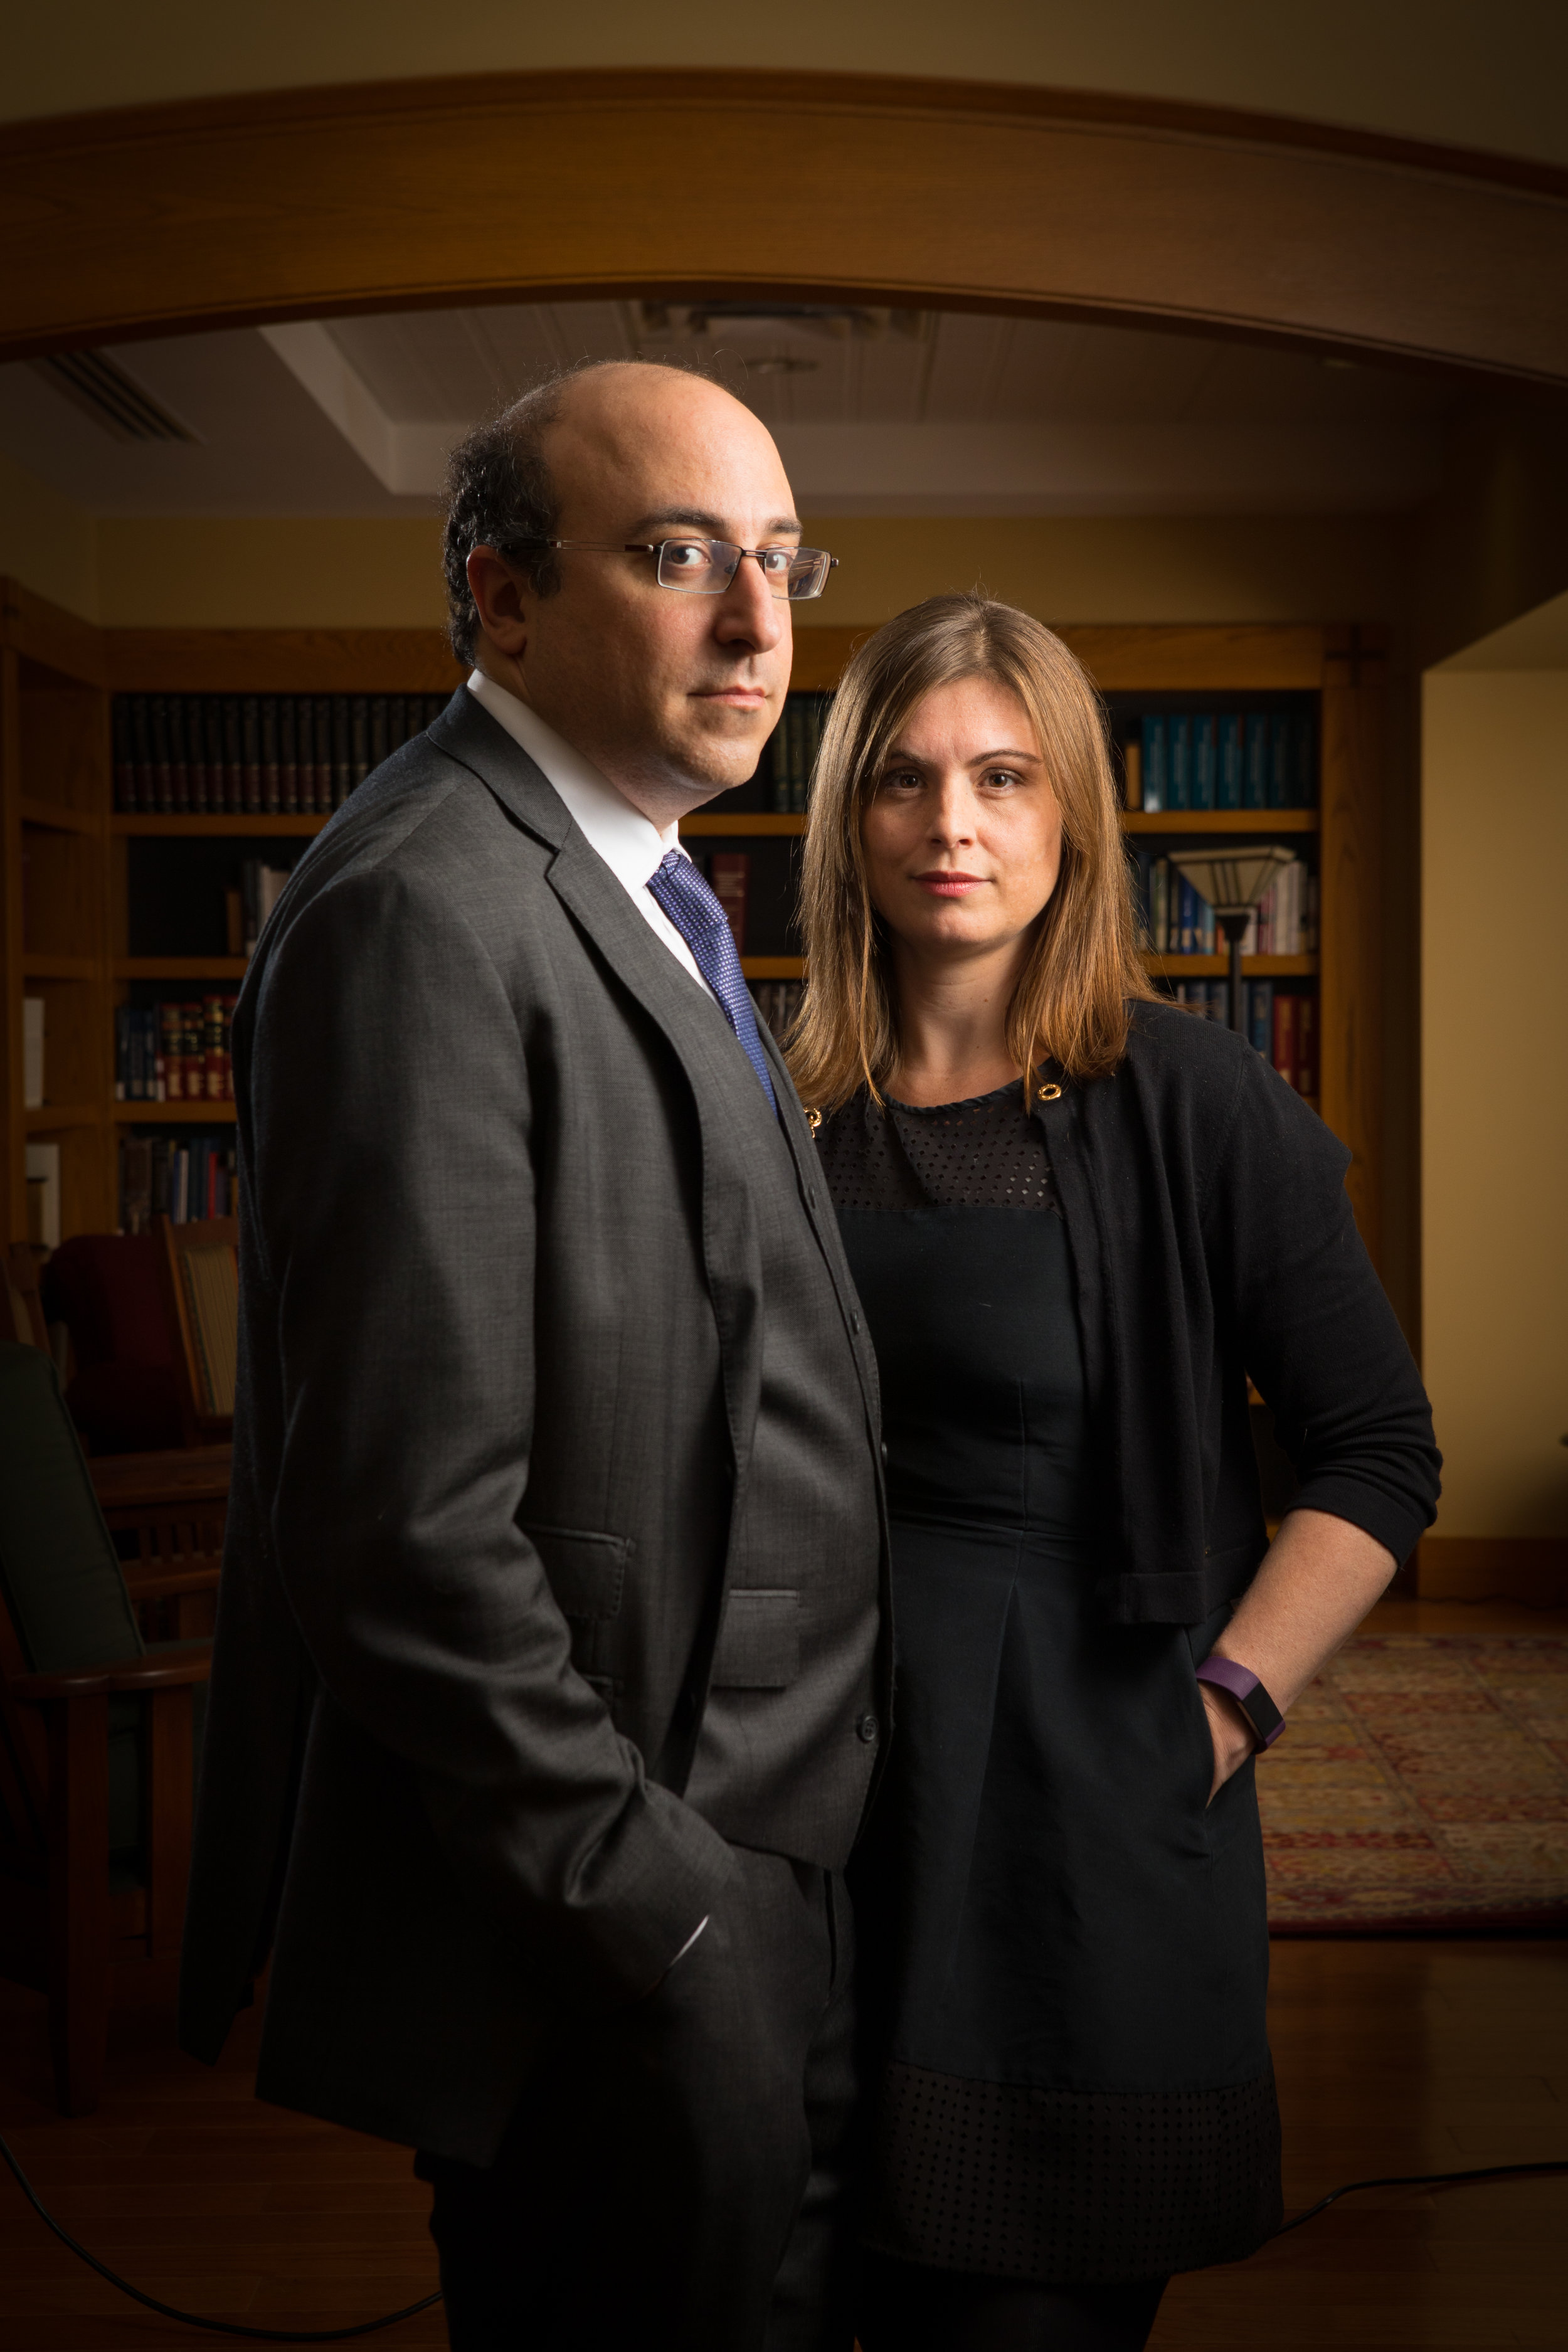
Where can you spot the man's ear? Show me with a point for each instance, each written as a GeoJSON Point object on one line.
{"type": "Point", "coordinates": [499, 599]}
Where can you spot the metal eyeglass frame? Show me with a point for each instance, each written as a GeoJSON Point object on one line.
{"type": "Point", "coordinates": [822, 562]}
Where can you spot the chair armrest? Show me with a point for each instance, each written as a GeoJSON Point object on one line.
{"type": "Point", "coordinates": [129, 1674]}
{"type": "Point", "coordinates": [160, 1584]}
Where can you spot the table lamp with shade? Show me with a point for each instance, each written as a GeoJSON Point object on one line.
{"type": "Point", "coordinates": [1233, 881]}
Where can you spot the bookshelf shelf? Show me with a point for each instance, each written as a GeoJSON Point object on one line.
{"type": "Point", "coordinates": [1216, 966]}
{"type": "Point", "coordinates": [774, 967]}
{"type": "Point", "coordinates": [60, 966]}
{"type": "Point", "coordinates": [737, 825]}
{"type": "Point", "coordinates": [175, 1114]}
{"type": "Point", "coordinates": [213, 828]}
{"type": "Point", "coordinates": [179, 966]}
{"type": "Point", "coordinates": [51, 816]}
{"type": "Point", "coordinates": [48, 1117]}
{"type": "Point", "coordinates": [1241, 820]}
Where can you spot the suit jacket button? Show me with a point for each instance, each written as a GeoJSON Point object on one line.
{"type": "Point", "coordinates": [867, 1728]}
{"type": "Point", "coordinates": [854, 1320]}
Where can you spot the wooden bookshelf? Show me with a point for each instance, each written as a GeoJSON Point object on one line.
{"type": "Point", "coordinates": [214, 828]}
{"type": "Point", "coordinates": [175, 1114]}
{"type": "Point", "coordinates": [66, 854]}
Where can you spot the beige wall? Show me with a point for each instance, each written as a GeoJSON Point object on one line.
{"type": "Point", "coordinates": [1475, 76]}
{"type": "Point", "coordinates": [264, 574]}
{"type": "Point", "coordinates": [1495, 1096]}
{"type": "Point", "coordinates": [46, 544]}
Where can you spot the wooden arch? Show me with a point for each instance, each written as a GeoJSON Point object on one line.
{"type": "Point", "coordinates": [308, 202]}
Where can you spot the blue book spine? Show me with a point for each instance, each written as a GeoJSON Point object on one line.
{"type": "Point", "coordinates": [1154, 770]}
{"type": "Point", "coordinates": [1142, 863]}
{"type": "Point", "coordinates": [1261, 1016]}
{"type": "Point", "coordinates": [1205, 761]}
{"type": "Point", "coordinates": [1304, 760]}
{"type": "Point", "coordinates": [1227, 762]}
{"type": "Point", "coordinates": [1282, 778]}
{"type": "Point", "coordinates": [1255, 761]}
{"type": "Point", "coordinates": [1189, 900]}
{"type": "Point", "coordinates": [1179, 772]}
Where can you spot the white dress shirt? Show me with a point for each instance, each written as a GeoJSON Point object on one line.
{"type": "Point", "coordinates": [630, 843]}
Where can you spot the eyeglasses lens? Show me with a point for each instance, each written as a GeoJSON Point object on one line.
{"type": "Point", "coordinates": [705, 567]}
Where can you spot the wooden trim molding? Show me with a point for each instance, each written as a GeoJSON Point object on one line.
{"type": "Point", "coordinates": [510, 187]}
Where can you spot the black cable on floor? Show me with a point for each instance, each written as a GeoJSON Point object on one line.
{"type": "Point", "coordinates": [391, 2318]}
{"type": "Point", "coordinates": [194, 2319]}
{"type": "Point", "coordinates": [1426, 2180]}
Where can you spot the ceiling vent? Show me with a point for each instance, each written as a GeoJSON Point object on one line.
{"type": "Point", "coordinates": [100, 388]}
{"type": "Point", "coordinates": [834, 322]}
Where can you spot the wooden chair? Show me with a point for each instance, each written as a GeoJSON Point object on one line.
{"type": "Point", "coordinates": [201, 1268]}
{"type": "Point", "coordinates": [175, 1505]}
{"type": "Point", "coordinates": [97, 1736]}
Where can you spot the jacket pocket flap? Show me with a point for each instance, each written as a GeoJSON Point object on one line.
{"type": "Point", "coordinates": [759, 1647]}
{"type": "Point", "coordinates": [587, 1571]}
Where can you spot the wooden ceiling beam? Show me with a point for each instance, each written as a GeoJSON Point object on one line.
{"type": "Point", "coordinates": [215, 213]}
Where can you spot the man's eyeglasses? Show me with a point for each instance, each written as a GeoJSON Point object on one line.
{"type": "Point", "coordinates": [705, 567]}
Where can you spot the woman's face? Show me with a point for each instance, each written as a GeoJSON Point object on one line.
{"type": "Point", "coordinates": [963, 834]}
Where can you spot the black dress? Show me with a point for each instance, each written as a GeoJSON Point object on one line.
{"type": "Point", "coordinates": [1065, 1945]}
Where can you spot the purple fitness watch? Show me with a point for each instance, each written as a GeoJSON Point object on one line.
{"type": "Point", "coordinates": [1250, 1695]}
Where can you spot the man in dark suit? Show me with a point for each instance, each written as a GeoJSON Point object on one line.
{"type": "Point", "coordinates": [548, 1684]}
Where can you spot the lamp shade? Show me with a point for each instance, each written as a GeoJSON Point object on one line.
{"type": "Point", "coordinates": [1232, 880]}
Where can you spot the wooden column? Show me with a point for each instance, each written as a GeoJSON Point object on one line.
{"type": "Point", "coordinates": [13, 1125]}
{"type": "Point", "coordinates": [1349, 957]}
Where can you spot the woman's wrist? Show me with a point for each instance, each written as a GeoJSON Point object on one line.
{"type": "Point", "coordinates": [1246, 1690]}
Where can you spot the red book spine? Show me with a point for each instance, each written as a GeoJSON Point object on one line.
{"type": "Point", "coordinates": [1285, 1035]}
{"type": "Point", "coordinates": [1307, 1045]}
{"type": "Point", "coordinates": [729, 872]}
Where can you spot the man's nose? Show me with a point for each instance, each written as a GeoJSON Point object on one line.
{"type": "Point", "coordinates": [750, 610]}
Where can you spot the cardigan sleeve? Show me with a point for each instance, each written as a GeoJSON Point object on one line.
{"type": "Point", "coordinates": [1316, 1330]}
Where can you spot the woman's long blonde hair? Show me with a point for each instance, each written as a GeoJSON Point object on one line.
{"type": "Point", "coordinates": [1072, 1000]}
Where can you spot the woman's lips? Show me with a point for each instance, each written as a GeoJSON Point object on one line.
{"type": "Point", "coordinates": [944, 884]}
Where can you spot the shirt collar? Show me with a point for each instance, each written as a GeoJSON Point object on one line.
{"type": "Point", "coordinates": [630, 843]}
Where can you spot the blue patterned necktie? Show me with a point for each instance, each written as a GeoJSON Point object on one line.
{"type": "Point", "coordinates": [679, 889]}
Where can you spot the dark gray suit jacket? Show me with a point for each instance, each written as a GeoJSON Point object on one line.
{"type": "Point", "coordinates": [547, 1345]}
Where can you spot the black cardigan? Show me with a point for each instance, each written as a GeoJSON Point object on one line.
{"type": "Point", "coordinates": [1212, 1238]}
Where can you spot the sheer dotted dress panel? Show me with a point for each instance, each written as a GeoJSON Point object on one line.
{"type": "Point", "coordinates": [985, 1153]}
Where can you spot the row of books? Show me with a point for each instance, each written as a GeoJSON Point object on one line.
{"type": "Point", "coordinates": [1173, 919]}
{"type": "Point", "coordinates": [175, 1053]}
{"type": "Point", "coordinates": [792, 751]}
{"type": "Point", "coordinates": [1281, 1023]}
{"type": "Point", "coordinates": [1226, 759]}
{"type": "Point", "coordinates": [778, 1004]}
{"type": "Point", "coordinates": [255, 754]}
{"type": "Point", "coordinates": [186, 1177]}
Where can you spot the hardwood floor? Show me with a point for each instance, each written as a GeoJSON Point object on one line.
{"type": "Point", "coordinates": [1393, 2057]}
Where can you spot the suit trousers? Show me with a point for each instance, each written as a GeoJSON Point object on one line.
{"type": "Point", "coordinates": [679, 2175]}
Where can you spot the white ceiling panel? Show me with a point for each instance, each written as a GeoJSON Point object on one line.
{"type": "Point", "coordinates": [887, 411]}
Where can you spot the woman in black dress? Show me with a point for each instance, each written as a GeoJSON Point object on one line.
{"type": "Point", "coordinates": [1070, 1275]}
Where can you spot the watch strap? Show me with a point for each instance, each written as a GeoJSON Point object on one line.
{"type": "Point", "coordinates": [1242, 1685]}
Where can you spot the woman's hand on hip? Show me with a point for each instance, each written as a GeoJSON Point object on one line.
{"type": "Point", "coordinates": [1233, 1736]}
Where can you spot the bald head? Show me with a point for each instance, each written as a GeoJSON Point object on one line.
{"type": "Point", "coordinates": [671, 694]}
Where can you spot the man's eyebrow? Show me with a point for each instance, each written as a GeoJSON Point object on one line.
{"type": "Point", "coordinates": [712, 526]}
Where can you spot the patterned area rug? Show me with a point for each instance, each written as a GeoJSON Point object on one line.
{"type": "Point", "coordinates": [1423, 1783]}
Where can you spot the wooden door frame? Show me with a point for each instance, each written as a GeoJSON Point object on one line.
{"type": "Point", "coordinates": [489, 188]}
